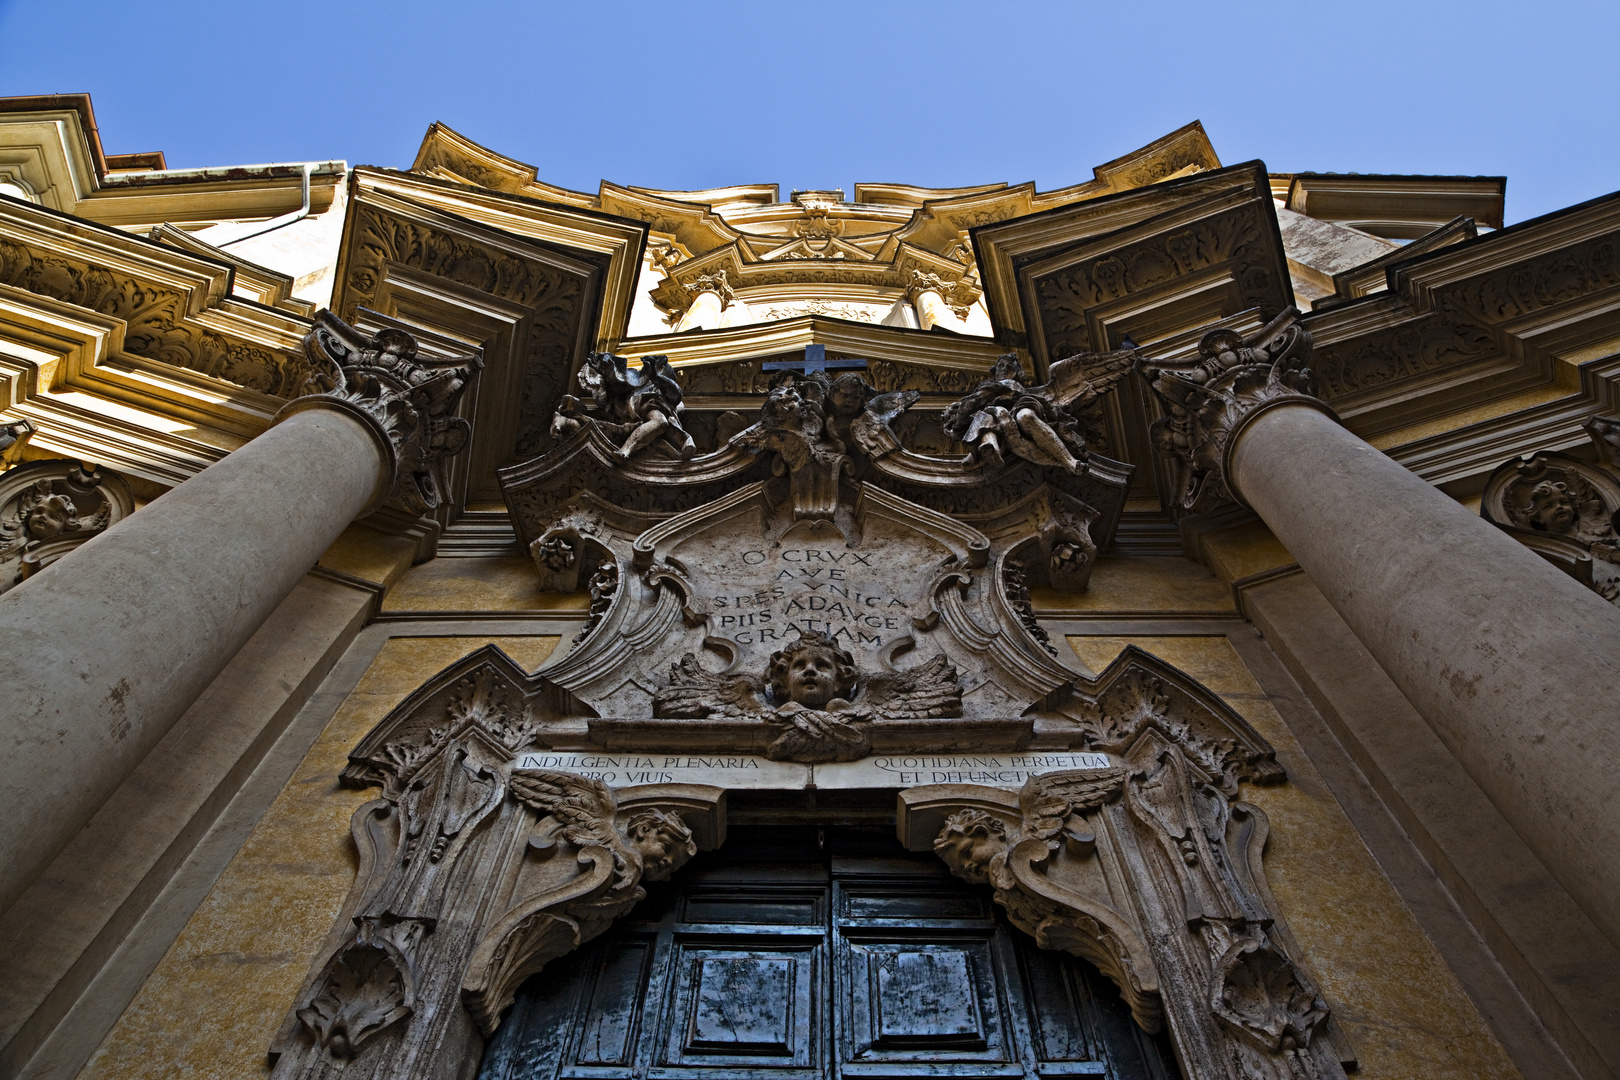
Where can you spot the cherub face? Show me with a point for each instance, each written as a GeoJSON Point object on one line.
{"type": "Point", "coordinates": [813, 676]}
{"type": "Point", "coordinates": [848, 394]}
{"type": "Point", "coordinates": [1550, 507]}
{"type": "Point", "coordinates": [970, 851]}
{"type": "Point", "coordinates": [663, 841]}
{"type": "Point", "coordinates": [47, 518]}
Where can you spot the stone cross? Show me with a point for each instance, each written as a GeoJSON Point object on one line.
{"type": "Point", "coordinates": [815, 359]}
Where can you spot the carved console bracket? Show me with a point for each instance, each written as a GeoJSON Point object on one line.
{"type": "Point", "coordinates": [408, 403]}
{"type": "Point", "coordinates": [1151, 870]}
{"type": "Point", "coordinates": [473, 876]}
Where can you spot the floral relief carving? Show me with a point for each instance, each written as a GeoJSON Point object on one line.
{"type": "Point", "coordinates": [156, 318]}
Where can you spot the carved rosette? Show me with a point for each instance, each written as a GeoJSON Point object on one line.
{"type": "Point", "coordinates": [473, 876]}
{"type": "Point", "coordinates": [1210, 400]}
{"type": "Point", "coordinates": [48, 508]}
{"type": "Point", "coordinates": [409, 403]}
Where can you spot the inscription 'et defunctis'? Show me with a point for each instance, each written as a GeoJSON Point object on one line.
{"type": "Point", "coordinates": [813, 590]}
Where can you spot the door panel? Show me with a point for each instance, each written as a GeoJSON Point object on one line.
{"type": "Point", "coordinates": [797, 954]}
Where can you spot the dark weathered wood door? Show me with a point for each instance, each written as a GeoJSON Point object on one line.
{"type": "Point", "coordinates": [794, 954]}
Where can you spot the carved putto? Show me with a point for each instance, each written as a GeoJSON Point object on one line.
{"type": "Point", "coordinates": [813, 693]}
{"type": "Point", "coordinates": [409, 399]}
{"type": "Point", "coordinates": [637, 409]}
{"type": "Point", "coordinates": [1003, 416]}
{"type": "Point", "coordinates": [1564, 508]}
{"type": "Point", "coordinates": [48, 508]}
{"type": "Point", "coordinates": [1208, 399]}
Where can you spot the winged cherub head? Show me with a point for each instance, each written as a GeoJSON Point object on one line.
{"type": "Point", "coordinates": [663, 841]}
{"type": "Point", "coordinates": [812, 671]}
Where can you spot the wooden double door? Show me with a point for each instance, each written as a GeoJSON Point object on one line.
{"type": "Point", "coordinates": [803, 953]}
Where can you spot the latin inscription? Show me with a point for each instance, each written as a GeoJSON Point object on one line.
{"type": "Point", "coordinates": [835, 591]}
{"type": "Point", "coordinates": [749, 771]}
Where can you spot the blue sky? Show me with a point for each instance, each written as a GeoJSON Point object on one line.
{"type": "Point", "coordinates": [820, 95]}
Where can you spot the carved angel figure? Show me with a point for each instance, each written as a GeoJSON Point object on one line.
{"type": "Point", "coordinates": [818, 697]}
{"type": "Point", "coordinates": [653, 844]}
{"type": "Point", "coordinates": [793, 423]}
{"type": "Point", "coordinates": [637, 405]}
{"type": "Point", "coordinates": [860, 416]}
{"type": "Point", "coordinates": [1003, 415]}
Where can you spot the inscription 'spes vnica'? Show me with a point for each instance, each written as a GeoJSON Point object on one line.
{"type": "Point", "coordinates": [815, 590]}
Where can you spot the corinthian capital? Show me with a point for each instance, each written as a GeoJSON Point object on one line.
{"type": "Point", "coordinates": [1208, 401]}
{"type": "Point", "coordinates": [407, 400]}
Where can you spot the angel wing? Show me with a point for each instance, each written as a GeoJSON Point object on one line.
{"type": "Point", "coordinates": [930, 689]}
{"type": "Point", "coordinates": [656, 370]}
{"type": "Point", "coordinates": [694, 693]}
{"type": "Point", "coordinates": [1048, 800]}
{"type": "Point", "coordinates": [1080, 380]}
{"type": "Point", "coordinates": [584, 806]}
{"type": "Point", "coordinates": [870, 430]}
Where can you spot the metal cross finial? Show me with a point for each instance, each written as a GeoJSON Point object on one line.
{"type": "Point", "coordinates": [815, 359]}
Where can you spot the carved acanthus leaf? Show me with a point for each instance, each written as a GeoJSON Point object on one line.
{"type": "Point", "coordinates": [159, 327]}
{"type": "Point", "coordinates": [1209, 399]}
{"type": "Point", "coordinates": [411, 400]}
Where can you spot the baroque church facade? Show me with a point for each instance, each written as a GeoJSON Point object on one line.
{"type": "Point", "coordinates": [455, 626]}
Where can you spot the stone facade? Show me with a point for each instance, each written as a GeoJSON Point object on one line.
{"type": "Point", "coordinates": [402, 571]}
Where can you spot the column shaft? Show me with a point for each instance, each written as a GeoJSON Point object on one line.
{"type": "Point", "coordinates": [103, 651]}
{"type": "Point", "coordinates": [1514, 664]}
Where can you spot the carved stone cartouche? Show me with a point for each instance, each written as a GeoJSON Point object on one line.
{"type": "Point", "coordinates": [410, 401]}
{"type": "Point", "coordinates": [637, 409]}
{"type": "Point", "coordinates": [48, 508]}
{"type": "Point", "coordinates": [1003, 416]}
{"type": "Point", "coordinates": [473, 875]}
{"type": "Point", "coordinates": [1210, 399]}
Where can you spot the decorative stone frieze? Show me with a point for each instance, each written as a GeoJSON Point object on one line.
{"type": "Point", "coordinates": [408, 401]}
{"type": "Point", "coordinates": [48, 508]}
{"type": "Point", "coordinates": [1208, 401]}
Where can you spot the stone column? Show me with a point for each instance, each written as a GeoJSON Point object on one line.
{"type": "Point", "coordinates": [101, 652]}
{"type": "Point", "coordinates": [1514, 664]}
{"type": "Point", "coordinates": [711, 295]}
